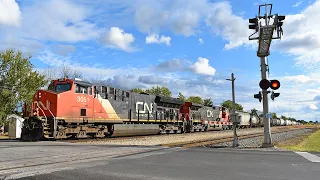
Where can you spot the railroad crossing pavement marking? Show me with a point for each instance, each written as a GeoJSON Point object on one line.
{"type": "Point", "coordinates": [310, 157]}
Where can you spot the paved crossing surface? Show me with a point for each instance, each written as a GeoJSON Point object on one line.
{"type": "Point", "coordinates": [48, 160]}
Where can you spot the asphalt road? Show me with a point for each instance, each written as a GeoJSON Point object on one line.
{"type": "Point", "coordinates": [195, 164]}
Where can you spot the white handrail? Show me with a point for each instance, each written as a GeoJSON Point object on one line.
{"type": "Point", "coordinates": [42, 111]}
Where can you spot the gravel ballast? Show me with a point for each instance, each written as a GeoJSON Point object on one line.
{"type": "Point", "coordinates": [256, 142]}
{"type": "Point", "coordinates": [175, 138]}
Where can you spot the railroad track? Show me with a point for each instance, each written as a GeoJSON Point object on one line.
{"type": "Point", "coordinates": [124, 138]}
{"type": "Point", "coordinates": [132, 137]}
{"type": "Point", "coordinates": [178, 144]}
{"type": "Point", "coordinates": [205, 142]}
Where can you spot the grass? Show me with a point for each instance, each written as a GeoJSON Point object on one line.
{"type": "Point", "coordinates": [4, 137]}
{"type": "Point", "coordinates": [307, 142]}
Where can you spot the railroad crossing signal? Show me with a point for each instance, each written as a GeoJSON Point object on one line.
{"type": "Point", "coordinates": [275, 84]}
{"type": "Point", "coordinates": [254, 24]}
{"type": "Point", "coordinates": [264, 84]}
{"type": "Point", "coordinates": [274, 95]}
{"type": "Point", "coordinates": [258, 96]}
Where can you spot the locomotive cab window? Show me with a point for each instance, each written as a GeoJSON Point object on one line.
{"type": "Point", "coordinates": [90, 91]}
{"type": "Point", "coordinates": [63, 87]}
{"type": "Point", "coordinates": [81, 89]}
{"type": "Point", "coordinates": [51, 87]}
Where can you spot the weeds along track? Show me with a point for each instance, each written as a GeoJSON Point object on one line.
{"type": "Point", "coordinates": [205, 142]}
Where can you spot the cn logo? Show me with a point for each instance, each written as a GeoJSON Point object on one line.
{"type": "Point", "coordinates": [42, 106]}
{"type": "Point", "coordinates": [146, 108]}
{"type": "Point", "coordinates": [210, 113]}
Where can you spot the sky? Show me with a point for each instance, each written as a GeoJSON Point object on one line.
{"type": "Point", "coordinates": [189, 46]}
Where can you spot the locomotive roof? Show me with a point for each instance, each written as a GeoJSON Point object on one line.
{"type": "Point", "coordinates": [160, 98]}
{"type": "Point", "coordinates": [197, 105]}
{"type": "Point", "coordinates": [83, 83]}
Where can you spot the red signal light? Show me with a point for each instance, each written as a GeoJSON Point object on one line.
{"type": "Point", "coordinates": [275, 84]}
{"type": "Point", "coordinates": [264, 84]}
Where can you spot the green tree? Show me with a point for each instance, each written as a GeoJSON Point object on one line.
{"type": "Point", "coordinates": [195, 99]}
{"type": "Point", "coordinates": [228, 104]}
{"type": "Point", "coordinates": [154, 90]}
{"type": "Point", "coordinates": [254, 111]}
{"type": "Point", "coordinates": [290, 118]}
{"type": "Point", "coordinates": [181, 96]}
{"type": "Point", "coordinates": [274, 115]}
{"type": "Point", "coordinates": [207, 102]}
{"type": "Point", "coordinates": [137, 90]}
{"type": "Point", "coordinates": [164, 91]}
{"type": "Point", "coordinates": [18, 82]}
{"type": "Point", "coordinates": [284, 117]}
{"type": "Point", "coordinates": [303, 121]}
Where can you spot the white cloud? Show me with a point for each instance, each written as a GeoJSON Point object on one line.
{"type": "Point", "coordinates": [10, 13]}
{"type": "Point", "coordinates": [301, 37]}
{"type": "Point", "coordinates": [117, 38]}
{"type": "Point", "coordinates": [175, 65]}
{"type": "Point", "coordinates": [182, 17]}
{"type": "Point", "coordinates": [151, 79]}
{"type": "Point", "coordinates": [231, 27]}
{"type": "Point", "coordinates": [27, 46]}
{"type": "Point", "coordinates": [172, 65]}
{"type": "Point", "coordinates": [200, 41]}
{"type": "Point", "coordinates": [66, 23]}
{"type": "Point", "coordinates": [42, 21]}
{"type": "Point", "coordinates": [52, 59]}
{"type": "Point", "coordinates": [313, 106]}
{"type": "Point", "coordinates": [64, 49]}
{"type": "Point", "coordinates": [125, 82]}
{"type": "Point", "coordinates": [300, 79]}
{"type": "Point", "coordinates": [202, 67]}
{"type": "Point", "coordinates": [297, 4]}
{"type": "Point", "coordinates": [154, 38]}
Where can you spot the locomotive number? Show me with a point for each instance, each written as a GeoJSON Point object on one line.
{"type": "Point", "coordinates": [82, 99]}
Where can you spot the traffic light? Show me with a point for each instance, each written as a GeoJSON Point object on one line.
{"type": "Point", "coordinates": [264, 84]}
{"type": "Point", "coordinates": [274, 95]}
{"type": "Point", "coordinates": [274, 84]}
{"type": "Point", "coordinates": [278, 22]}
{"type": "Point", "coordinates": [258, 96]}
{"type": "Point", "coordinates": [253, 24]}
{"type": "Point", "coordinates": [280, 19]}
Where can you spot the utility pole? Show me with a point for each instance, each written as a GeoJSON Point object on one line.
{"type": "Point", "coordinates": [261, 24]}
{"type": "Point", "coordinates": [234, 119]}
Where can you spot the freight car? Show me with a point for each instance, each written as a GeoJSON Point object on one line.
{"type": "Point", "coordinates": [254, 121]}
{"type": "Point", "coordinates": [79, 109]}
{"type": "Point", "coordinates": [244, 119]}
